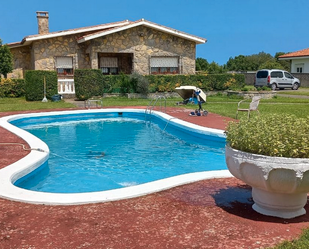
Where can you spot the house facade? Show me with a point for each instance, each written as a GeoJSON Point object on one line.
{"type": "Point", "coordinates": [299, 60]}
{"type": "Point", "coordinates": [120, 47]}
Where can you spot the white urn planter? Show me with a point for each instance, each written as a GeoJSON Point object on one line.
{"type": "Point", "coordinates": [279, 184]}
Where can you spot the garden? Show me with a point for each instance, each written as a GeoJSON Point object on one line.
{"type": "Point", "coordinates": [288, 114]}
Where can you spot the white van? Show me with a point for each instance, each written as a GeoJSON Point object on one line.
{"type": "Point", "coordinates": [276, 78]}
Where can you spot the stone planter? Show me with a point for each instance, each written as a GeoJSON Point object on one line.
{"type": "Point", "coordinates": [279, 185]}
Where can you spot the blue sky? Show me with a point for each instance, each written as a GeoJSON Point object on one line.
{"type": "Point", "coordinates": [231, 27]}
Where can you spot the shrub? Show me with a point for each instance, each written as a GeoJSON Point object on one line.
{"type": "Point", "coordinates": [88, 83]}
{"type": "Point", "coordinates": [277, 135]}
{"type": "Point", "coordinates": [34, 84]}
{"type": "Point", "coordinates": [141, 83]}
{"type": "Point", "coordinates": [12, 88]}
{"type": "Point", "coordinates": [124, 83]}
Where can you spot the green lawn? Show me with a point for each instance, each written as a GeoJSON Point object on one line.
{"type": "Point", "coordinates": [301, 91]}
{"type": "Point", "coordinates": [20, 104]}
{"type": "Point", "coordinates": [222, 105]}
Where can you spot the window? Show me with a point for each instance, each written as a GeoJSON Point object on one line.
{"type": "Point", "coordinates": [262, 74]}
{"type": "Point", "coordinates": [289, 76]}
{"type": "Point", "coordinates": [164, 65]}
{"type": "Point", "coordinates": [64, 65]}
{"type": "Point", "coordinates": [109, 65]}
{"type": "Point", "coordinates": [276, 74]}
{"type": "Point", "coordinates": [299, 68]}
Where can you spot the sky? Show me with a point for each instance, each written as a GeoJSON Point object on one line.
{"type": "Point", "coordinates": [231, 27]}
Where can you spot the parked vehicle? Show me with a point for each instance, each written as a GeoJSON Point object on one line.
{"type": "Point", "coordinates": [276, 78]}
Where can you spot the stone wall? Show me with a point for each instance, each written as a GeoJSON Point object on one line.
{"type": "Point", "coordinates": [144, 42]}
{"type": "Point", "coordinates": [45, 52]}
{"type": "Point", "coordinates": [303, 77]}
{"type": "Point", "coordinates": [21, 61]}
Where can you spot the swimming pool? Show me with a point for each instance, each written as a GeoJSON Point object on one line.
{"type": "Point", "coordinates": [37, 158]}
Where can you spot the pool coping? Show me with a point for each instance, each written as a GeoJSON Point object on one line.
{"type": "Point", "coordinates": [40, 153]}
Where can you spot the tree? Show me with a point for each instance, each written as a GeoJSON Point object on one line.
{"type": "Point", "coordinates": [201, 64]}
{"type": "Point", "coordinates": [248, 62]}
{"type": "Point", "coordinates": [215, 68]}
{"type": "Point", "coordinates": [239, 63]}
{"type": "Point", "coordinates": [271, 64]}
{"type": "Point", "coordinates": [284, 63]}
{"type": "Point", "coordinates": [6, 60]}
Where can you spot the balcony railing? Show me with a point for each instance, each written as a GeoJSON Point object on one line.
{"type": "Point", "coordinates": [66, 86]}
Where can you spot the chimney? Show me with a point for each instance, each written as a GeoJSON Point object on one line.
{"type": "Point", "coordinates": [42, 17]}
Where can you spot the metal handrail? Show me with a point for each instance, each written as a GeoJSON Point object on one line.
{"type": "Point", "coordinates": [152, 104]}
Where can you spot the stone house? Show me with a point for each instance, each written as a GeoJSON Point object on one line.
{"type": "Point", "coordinates": [141, 46]}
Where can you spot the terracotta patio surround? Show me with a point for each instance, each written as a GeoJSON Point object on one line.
{"type": "Point", "coordinates": [212, 213]}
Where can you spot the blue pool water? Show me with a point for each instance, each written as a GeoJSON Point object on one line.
{"type": "Point", "coordinates": [107, 152]}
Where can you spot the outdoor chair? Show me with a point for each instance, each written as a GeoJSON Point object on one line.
{"type": "Point", "coordinates": [95, 101]}
{"type": "Point", "coordinates": [252, 107]}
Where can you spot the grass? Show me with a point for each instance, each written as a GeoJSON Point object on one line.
{"type": "Point", "coordinates": [301, 243]}
{"type": "Point", "coordinates": [222, 105]}
{"type": "Point", "coordinates": [301, 91]}
{"type": "Point", "coordinates": [20, 104]}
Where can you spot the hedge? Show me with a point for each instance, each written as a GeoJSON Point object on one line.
{"type": "Point", "coordinates": [88, 83]}
{"type": "Point", "coordinates": [34, 84]}
{"type": "Point", "coordinates": [12, 88]}
{"type": "Point", "coordinates": [167, 83]}
{"type": "Point", "coordinates": [91, 82]}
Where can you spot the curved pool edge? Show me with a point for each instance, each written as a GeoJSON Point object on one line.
{"type": "Point", "coordinates": [35, 158]}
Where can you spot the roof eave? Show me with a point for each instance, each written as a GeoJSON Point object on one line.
{"type": "Point", "coordinates": [294, 57]}
{"type": "Point", "coordinates": [29, 39]}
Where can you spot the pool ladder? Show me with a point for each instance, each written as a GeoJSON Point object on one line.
{"type": "Point", "coordinates": [152, 104]}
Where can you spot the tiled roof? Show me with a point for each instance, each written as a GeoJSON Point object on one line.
{"type": "Point", "coordinates": [146, 23]}
{"type": "Point", "coordinates": [105, 29]}
{"type": "Point", "coordinates": [28, 39]}
{"type": "Point", "coordinates": [300, 53]}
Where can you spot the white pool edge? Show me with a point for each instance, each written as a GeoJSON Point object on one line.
{"type": "Point", "coordinates": [35, 158]}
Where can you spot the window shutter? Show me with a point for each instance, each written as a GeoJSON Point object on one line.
{"type": "Point", "coordinates": [108, 62]}
{"type": "Point", "coordinates": [164, 62]}
{"type": "Point", "coordinates": [64, 62]}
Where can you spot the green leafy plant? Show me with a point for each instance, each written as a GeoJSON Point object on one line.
{"type": "Point", "coordinates": [88, 83]}
{"type": "Point", "coordinates": [141, 83]}
{"type": "Point", "coordinates": [271, 135]}
{"type": "Point", "coordinates": [34, 84]}
{"type": "Point", "coordinates": [12, 88]}
{"type": "Point", "coordinates": [6, 60]}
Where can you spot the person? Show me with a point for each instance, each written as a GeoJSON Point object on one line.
{"type": "Point", "coordinates": [200, 111]}
{"type": "Point", "coordinates": [197, 94]}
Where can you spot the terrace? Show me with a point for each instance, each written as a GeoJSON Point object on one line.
{"type": "Point", "coordinates": [205, 214]}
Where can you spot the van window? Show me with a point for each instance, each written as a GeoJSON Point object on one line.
{"type": "Point", "coordinates": [262, 74]}
{"type": "Point", "coordinates": [276, 74]}
{"type": "Point", "coordinates": [289, 76]}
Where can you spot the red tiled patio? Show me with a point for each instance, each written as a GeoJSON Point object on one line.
{"type": "Point", "coordinates": [213, 213]}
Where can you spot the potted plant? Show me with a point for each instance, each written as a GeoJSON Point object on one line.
{"type": "Point", "coordinates": [271, 154]}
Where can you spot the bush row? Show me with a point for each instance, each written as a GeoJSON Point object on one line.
{"type": "Point", "coordinates": [12, 88]}
{"type": "Point", "coordinates": [92, 83]}
{"type": "Point", "coordinates": [34, 84]}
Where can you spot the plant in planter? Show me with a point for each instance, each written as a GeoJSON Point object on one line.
{"type": "Point", "coordinates": [271, 154]}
